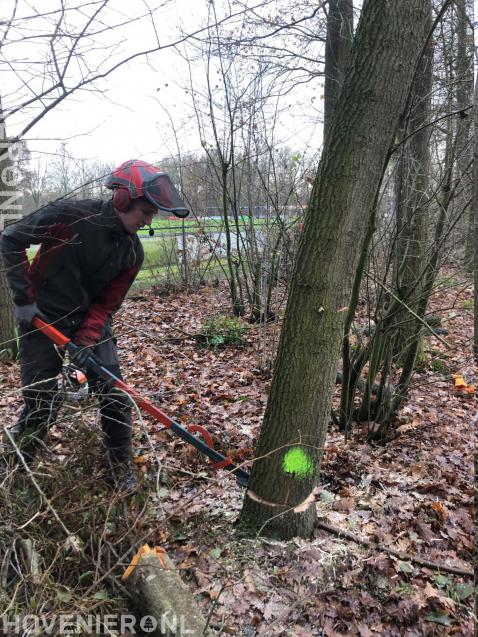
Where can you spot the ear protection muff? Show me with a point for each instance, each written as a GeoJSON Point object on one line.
{"type": "Point", "coordinates": [122, 199]}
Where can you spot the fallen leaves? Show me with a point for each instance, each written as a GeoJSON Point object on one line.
{"type": "Point", "coordinates": [345, 504]}
{"type": "Point", "coordinates": [414, 495]}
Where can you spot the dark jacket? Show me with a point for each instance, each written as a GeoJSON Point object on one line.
{"type": "Point", "coordinates": [83, 269]}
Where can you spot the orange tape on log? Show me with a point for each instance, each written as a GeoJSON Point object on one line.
{"type": "Point", "coordinates": [157, 550]}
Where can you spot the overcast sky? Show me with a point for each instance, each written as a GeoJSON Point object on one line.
{"type": "Point", "coordinates": [119, 116]}
{"type": "Point", "coordinates": [123, 116]}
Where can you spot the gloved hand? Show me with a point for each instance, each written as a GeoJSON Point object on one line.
{"type": "Point", "coordinates": [26, 313]}
{"type": "Point", "coordinates": [82, 355]}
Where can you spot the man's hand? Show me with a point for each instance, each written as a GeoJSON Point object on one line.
{"type": "Point", "coordinates": [26, 313]}
{"type": "Point", "coordinates": [81, 357]}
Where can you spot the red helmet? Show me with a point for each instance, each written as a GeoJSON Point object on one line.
{"type": "Point", "coordinates": [136, 178]}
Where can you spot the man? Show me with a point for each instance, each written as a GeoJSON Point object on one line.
{"type": "Point", "coordinates": [89, 255]}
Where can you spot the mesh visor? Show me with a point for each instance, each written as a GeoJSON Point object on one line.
{"type": "Point", "coordinates": [162, 193]}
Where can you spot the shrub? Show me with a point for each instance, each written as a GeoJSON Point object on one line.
{"type": "Point", "coordinates": [220, 331]}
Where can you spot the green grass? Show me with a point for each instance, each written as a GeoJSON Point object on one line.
{"type": "Point", "coordinates": [450, 282]}
{"type": "Point", "coordinates": [153, 275]}
{"type": "Point", "coordinates": [167, 226]}
{"type": "Point", "coordinates": [161, 263]}
{"type": "Point", "coordinates": [159, 252]}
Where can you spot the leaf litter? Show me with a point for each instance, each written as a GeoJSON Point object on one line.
{"type": "Point", "coordinates": [414, 495]}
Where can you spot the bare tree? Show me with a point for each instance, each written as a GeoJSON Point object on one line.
{"type": "Point", "coordinates": [337, 52]}
{"type": "Point", "coordinates": [47, 56]}
{"type": "Point", "coordinates": [463, 76]}
{"type": "Point", "coordinates": [237, 114]}
{"type": "Point", "coordinates": [475, 214]}
{"type": "Point", "coordinates": [289, 451]}
{"type": "Point", "coordinates": [408, 240]}
{"type": "Point", "coordinates": [9, 205]}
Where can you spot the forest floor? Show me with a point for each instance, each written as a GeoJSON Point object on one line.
{"type": "Point", "coordinates": [413, 496]}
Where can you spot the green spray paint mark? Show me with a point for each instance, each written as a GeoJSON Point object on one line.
{"type": "Point", "coordinates": [296, 461]}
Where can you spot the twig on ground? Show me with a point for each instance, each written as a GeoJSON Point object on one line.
{"type": "Point", "coordinates": [402, 556]}
{"type": "Point", "coordinates": [32, 559]}
{"type": "Point", "coordinates": [72, 541]}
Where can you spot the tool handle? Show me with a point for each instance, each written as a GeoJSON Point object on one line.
{"type": "Point", "coordinates": [53, 334]}
{"type": "Point", "coordinates": [62, 341]}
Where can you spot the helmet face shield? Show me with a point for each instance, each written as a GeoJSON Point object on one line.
{"type": "Point", "coordinates": [162, 193]}
{"type": "Point", "coordinates": [145, 180]}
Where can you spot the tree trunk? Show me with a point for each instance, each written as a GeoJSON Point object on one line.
{"type": "Point", "coordinates": [387, 45]}
{"type": "Point", "coordinates": [475, 214]}
{"type": "Point", "coordinates": [464, 97]}
{"type": "Point", "coordinates": [237, 305]}
{"type": "Point", "coordinates": [340, 26]}
{"type": "Point", "coordinates": [8, 340]}
{"type": "Point", "coordinates": [392, 401]}
{"type": "Point", "coordinates": [413, 205]}
{"type": "Point", "coordinates": [10, 210]}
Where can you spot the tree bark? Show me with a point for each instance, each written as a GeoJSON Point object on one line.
{"type": "Point", "coordinates": [8, 340]}
{"type": "Point", "coordinates": [413, 205]}
{"type": "Point", "coordinates": [162, 596]}
{"type": "Point", "coordinates": [464, 97]}
{"type": "Point", "coordinates": [475, 214]}
{"type": "Point", "coordinates": [8, 210]}
{"type": "Point", "coordinates": [386, 48]}
{"type": "Point", "coordinates": [338, 45]}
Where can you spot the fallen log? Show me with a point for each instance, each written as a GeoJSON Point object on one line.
{"type": "Point", "coordinates": [165, 602]}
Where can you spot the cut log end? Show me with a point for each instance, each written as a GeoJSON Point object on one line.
{"type": "Point", "coordinates": [163, 598]}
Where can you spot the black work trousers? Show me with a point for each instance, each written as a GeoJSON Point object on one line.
{"type": "Point", "coordinates": [40, 364]}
